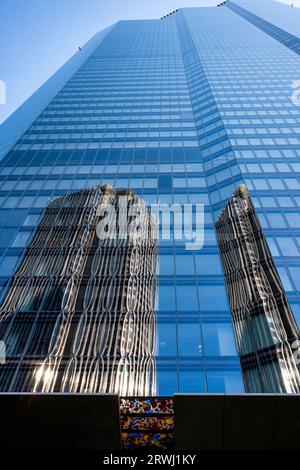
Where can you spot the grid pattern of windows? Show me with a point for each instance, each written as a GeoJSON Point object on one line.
{"type": "Point", "coordinates": [250, 76]}
{"type": "Point", "coordinates": [290, 41]}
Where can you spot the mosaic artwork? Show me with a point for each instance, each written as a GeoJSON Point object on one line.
{"type": "Point", "coordinates": [160, 440]}
{"type": "Point", "coordinates": [147, 405]}
{"type": "Point", "coordinates": [144, 423]}
{"type": "Point", "coordinates": [147, 422]}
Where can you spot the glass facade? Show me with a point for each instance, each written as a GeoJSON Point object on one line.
{"type": "Point", "coordinates": [180, 110]}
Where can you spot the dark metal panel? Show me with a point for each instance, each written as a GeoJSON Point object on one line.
{"type": "Point", "coordinates": [199, 421]}
{"type": "Point", "coordinates": [287, 422]}
{"type": "Point", "coordinates": [59, 422]}
{"type": "Point", "coordinates": [237, 422]}
{"type": "Point", "coordinates": [248, 421]}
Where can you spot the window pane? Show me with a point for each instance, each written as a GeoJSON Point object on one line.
{"type": "Point", "coordinates": [167, 344]}
{"type": "Point", "coordinates": [293, 219]}
{"type": "Point", "coordinates": [208, 264]}
{"type": "Point", "coordinates": [276, 220]}
{"type": "Point", "coordinates": [166, 299]}
{"type": "Point", "coordinates": [219, 381]}
{"type": "Point", "coordinates": [21, 239]}
{"type": "Point", "coordinates": [287, 246]}
{"type": "Point", "coordinates": [189, 339]}
{"type": "Point", "coordinates": [187, 298]}
{"type": "Point", "coordinates": [295, 273]}
{"type": "Point", "coordinates": [166, 265]}
{"type": "Point", "coordinates": [166, 381]}
{"type": "Point", "coordinates": [218, 339]}
{"type": "Point", "coordinates": [6, 237]}
{"type": "Point", "coordinates": [31, 219]}
{"type": "Point", "coordinates": [185, 264]}
{"type": "Point", "coordinates": [284, 279]}
{"type": "Point", "coordinates": [213, 298]}
{"type": "Point", "coordinates": [7, 265]}
{"type": "Point", "coordinates": [191, 380]}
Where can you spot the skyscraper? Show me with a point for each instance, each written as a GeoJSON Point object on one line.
{"type": "Point", "coordinates": [181, 109]}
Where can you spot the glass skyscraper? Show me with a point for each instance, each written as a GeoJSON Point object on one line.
{"type": "Point", "coordinates": [182, 109]}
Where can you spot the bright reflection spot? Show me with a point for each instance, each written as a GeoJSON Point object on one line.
{"type": "Point", "coordinates": [43, 376]}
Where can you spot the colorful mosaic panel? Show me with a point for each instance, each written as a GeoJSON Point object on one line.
{"type": "Point", "coordinates": [147, 405]}
{"type": "Point", "coordinates": [144, 423]}
{"type": "Point", "coordinates": [159, 440]}
{"type": "Point", "coordinates": [147, 422]}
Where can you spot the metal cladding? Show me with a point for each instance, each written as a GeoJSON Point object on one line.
{"type": "Point", "coordinates": [265, 329]}
{"type": "Point", "coordinates": [79, 314]}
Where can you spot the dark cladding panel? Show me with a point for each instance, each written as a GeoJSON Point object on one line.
{"type": "Point", "coordinates": [59, 422]}
{"type": "Point", "coordinates": [237, 422]}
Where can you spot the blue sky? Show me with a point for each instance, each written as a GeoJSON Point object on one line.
{"type": "Point", "coordinates": [38, 36]}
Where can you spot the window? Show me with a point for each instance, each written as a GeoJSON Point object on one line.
{"type": "Point", "coordinates": [185, 264]}
{"type": "Point", "coordinates": [166, 265]}
{"type": "Point", "coordinates": [189, 339]}
{"type": "Point", "coordinates": [208, 265]}
{"type": "Point", "coordinates": [21, 185]}
{"type": "Point", "coordinates": [167, 341]}
{"type": "Point", "coordinates": [26, 201]}
{"type": "Point", "coordinates": [8, 185]}
{"type": "Point", "coordinates": [276, 183]}
{"type": "Point", "coordinates": [41, 201]}
{"type": "Point", "coordinates": [166, 380]}
{"type": "Point", "coordinates": [209, 238]}
{"type": "Point", "coordinates": [284, 278]}
{"type": "Point", "coordinates": [32, 219]}
{"type": "Point", "coordinates": [218, 339]}
{"type": "Point", "coordinates": [50, 184]}
{"type": "Point", "coordinates": [179, 182]}
{"type": "Point", "coordinates": [292, 183]}
{"type": "Point", "coordinates": [273, 247]}
{"type": "Point", "coordinates": [6, 236]}
{"type": "Point", "coordinates": [187, 298]}
{"type": "Point", "coordinates": [276, 220]}
{"type": "Point", "coordinates": [268, 202]}
{"type": "Point", "coordinates": [260, 184]}
{"type": "Point", "coordinates": [36, 184]}
{"type": "Point", "coordinates": [293, 219]}
{"type": "Point", "coordinates": [220, 381]}
{"type": "Point", "coordinates": [285, 201]}
{"type": "Point", "coordinates": [10, 202]}
{"type": "Point", "coordinates": [191, 380]}
{"type": "Point", "coordinates": [21, 239]}
{"type": "Point", "coordinates": [196, 182]}
{"type": "Point", "coordinates": [212, 298]}
{"type": "Point", "coordinates": [287, 246]}
{"type": "Point", "coordinates": [7, 265]}
{"type": "Point", "coordinates": [296, 311]}
{"type": "Point", "coordinates": [295, 273]}
{"type": "Point", "coordinates": [166, 298]}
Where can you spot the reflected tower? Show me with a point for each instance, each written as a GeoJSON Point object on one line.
{"type": "Point", "coordinates": [265, 329]}
{"type": "Point", "coordinates": [79, 313]}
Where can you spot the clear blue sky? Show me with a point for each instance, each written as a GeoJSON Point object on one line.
{"type": "Point", "coordinates": [38, 36]}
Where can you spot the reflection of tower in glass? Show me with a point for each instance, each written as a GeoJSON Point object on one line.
{"type": "Point", "coordinates": [264, 324]}
{"type": "Point", "coordinates": [79, 314]}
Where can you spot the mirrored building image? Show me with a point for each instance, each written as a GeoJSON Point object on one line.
{"type": "Point", "coordinates": [180, 110]}
{"type": "Point", "coordinates": [266, 332]}
{"type": "Point", "coordinates": [79, 313]}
